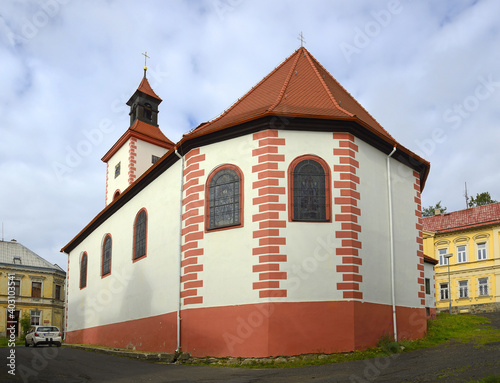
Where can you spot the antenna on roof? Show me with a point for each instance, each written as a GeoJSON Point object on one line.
{"type": "Point", "coordinates": [2, 232]}
{"type": "Point", "coordinates": [466, 197]}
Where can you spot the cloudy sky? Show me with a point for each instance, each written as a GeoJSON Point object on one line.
{"type": "Point", "coordinates": [428, 71]}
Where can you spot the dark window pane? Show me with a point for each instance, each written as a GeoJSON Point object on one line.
{"type": "Point", "coordinates": [106, 257]}
{"type": "Point", "coordinates": [140, 235]}
{"type": "Point", "coordinates": [224, 199]}
{"type": "Point", "coordinates": [309, 192]}
{"type": "Point", "coordinates": [83, 272]}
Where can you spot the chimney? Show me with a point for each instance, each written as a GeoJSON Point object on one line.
{"type": "Point", "coordinates": [437, 211]}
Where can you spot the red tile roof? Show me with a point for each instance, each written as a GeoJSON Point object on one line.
{"type": "Point", "coordinates": [150, 131]}
{"type": "Point", "coordinates": [300, 86]}
{"type": "Point", "coordinates": [142, 131]}
{"type": "Point", "coordinates": [144, 87]}
{"type": "Point", "coordinates": [463, 219]}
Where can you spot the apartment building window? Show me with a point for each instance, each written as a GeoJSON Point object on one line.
{"type": "Point", "coordinates": [461, 254]}
{"type": "Point", "coordinates": [443, 261]}
{"type": "Point", "coordinates": [483, 286]}
{"type": "Point", "coordinates": [58, 292]}
{"type": "Point", "coordinates": [35, 316]}
{"type": "Point", "coordinates": [427, 286]}
{"type": "Point", "coordinates": [463, 289]}
{"type": "Point", "coordinates": [36, 289]}
{"type": "Point", "coordinates": [444, 291]}
{"type": "Point", "coordinates": [481, 251]}
{"type": "Point", "coordinates": [17, 287]}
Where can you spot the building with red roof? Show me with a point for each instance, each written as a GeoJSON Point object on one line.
{"type": "Point", "coordinates": [290, 224]}
{"type": "Point", "coordinates": [471, 236]}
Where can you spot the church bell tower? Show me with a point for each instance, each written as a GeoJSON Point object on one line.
{"type": "Point", "coordinates": [140, 146]}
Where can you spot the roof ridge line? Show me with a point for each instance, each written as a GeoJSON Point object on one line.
{"type": "Point", "coordinates": [285, 84]}
{"type": "Point", "coordinates": [356, 101]}
{"type": "Point", "coordinates": [321, 79]}
{"type": "Point", "coordinates": [209, 122]}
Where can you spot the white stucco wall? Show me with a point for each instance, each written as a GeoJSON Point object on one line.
{"type": "Point", "coordinates": [121, 182]}
{"type": "Point", "coordinates": [430, 299]}
{"type": "Point", "coordinates": [138, 289]}
{"type": "Point", "coordinates": [145, 151]}
{"type": "Point", "coordinates": [150, 286]}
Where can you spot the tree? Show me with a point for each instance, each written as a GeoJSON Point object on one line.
{"type": "Point", "coordinates": [431, 210]}
{"type": "Point", "coordinates": [481, 200]}
{"type": "Point", "coordinates": [25, 324]}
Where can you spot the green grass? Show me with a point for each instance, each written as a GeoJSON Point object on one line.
{"type": "Point", "coordinates": [4, 342]}
{"type": "Point", "coordinates": [446, 327]}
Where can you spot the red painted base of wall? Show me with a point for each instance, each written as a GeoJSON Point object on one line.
{"type": "Point", "coordinates": [265, 329]}
{"type": "Point", "coordinates": [158, 333]}
{"type": "Point", "coordinates": [272, 329]}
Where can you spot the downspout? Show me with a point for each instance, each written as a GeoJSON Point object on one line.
{"type": "Point", "coordinates": [391, 240]}
{"type": "Point", "coordinates": [180, 253]}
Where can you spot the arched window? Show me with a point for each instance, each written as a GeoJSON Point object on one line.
{"type": "Point", "coordinates": [83, 270]}
{"type": "Point", "coordinates": [224, 197]}
{"type": "Point", "coordinates": [140, 234]}
{"type": "Point", "coordinates": [309, 181]}
{"type": "Point", "coordinates": [116, 195]}
{"type": "Point", "coordinates": [106, 256]}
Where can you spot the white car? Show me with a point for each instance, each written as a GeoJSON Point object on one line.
{"type": "Point", "coordinates": [43, 335]}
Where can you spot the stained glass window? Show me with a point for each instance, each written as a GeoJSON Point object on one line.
{"type": "Point", "coordinates": [140, 235]}
{"type": "Point", "coordinates": [83, 271]}
{"type": "Point", "coordinates": [106, 256]}
{"type": "Point", "coordinates": [309, 191]}
{"type": "Point", "coordinates": [224, 199]}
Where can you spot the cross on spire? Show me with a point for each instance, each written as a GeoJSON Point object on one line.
{"type": "Point", "coordinates": [302, 40]}
{"type": "Point", "coordinates": [145, 54]}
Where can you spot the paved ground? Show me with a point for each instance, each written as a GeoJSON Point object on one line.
{"type": "Point", "coordinates": [451, 362]}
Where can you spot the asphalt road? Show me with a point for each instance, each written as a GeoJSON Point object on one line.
{"type": "Point", "coordinates": [451, 362]}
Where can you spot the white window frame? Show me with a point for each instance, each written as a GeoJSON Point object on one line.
{"type": "Point", "coordinates": [444, 289]}
{"type": "Point", "coordinates": [482, 250]}
{"type": "Point", "coordinates": [462, 255]}
{"type": "Point", "coordinates": [35, 314]}
{"type": "Point", "coordinates": [463, 291]}
{"type": "Point", "coordinates": [482, 286]}
{"type": "Point", "coordinates": [442, 260]}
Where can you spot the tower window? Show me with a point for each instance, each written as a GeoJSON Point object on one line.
{"type": "Point", "coordinates": [148, 112]}
{"type": "Point", "coordinates": [117, 169]}
{"type": "Point", "coordinates": [154, 159]}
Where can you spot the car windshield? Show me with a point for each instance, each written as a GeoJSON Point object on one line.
{"type": "Point", "coordinates": [48, 329]}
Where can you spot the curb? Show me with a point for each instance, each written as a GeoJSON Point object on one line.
{"type": "Point", "coordinates": [163, 357]}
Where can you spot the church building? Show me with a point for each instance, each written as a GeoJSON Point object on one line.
{"type": "Point", "coordinates": [290, 224]}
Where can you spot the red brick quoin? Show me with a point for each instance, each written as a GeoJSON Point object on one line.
{"type": "Point", "coordinates": [192, 228]}
{"type": "Point", "coordinates": [271, 200]}
{"type": "Point", "coordinates": [346, 197]}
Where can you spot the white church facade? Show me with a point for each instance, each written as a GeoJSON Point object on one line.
{"type": "Point", "coordinates": [290, 224]}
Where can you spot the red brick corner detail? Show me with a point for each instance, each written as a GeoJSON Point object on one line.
{"type": "Point", "coordinates": [271, 204]}
{"type": "Point", "coordinates": [346, 196]}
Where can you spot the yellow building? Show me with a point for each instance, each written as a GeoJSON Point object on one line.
{"type": "Point", "coordinates": [29, 285]}
{"type": "Point", "coordinates": [472, 237]}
